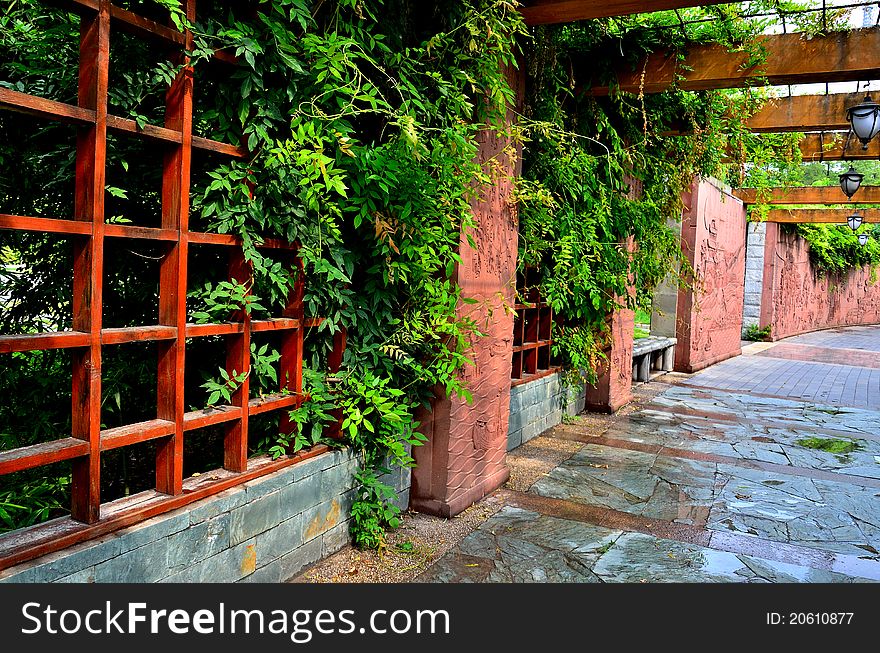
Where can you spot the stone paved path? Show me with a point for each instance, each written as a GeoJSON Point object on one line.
{"type": "Point", "coordinates": [717, 479]}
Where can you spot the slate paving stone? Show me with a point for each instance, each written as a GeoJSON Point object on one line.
{"type": "Point", "coordinates": [524, 547]}
{"type": "Point", "coordinates": [638, 483]}
{"type": "Point", "coordinates": [612, 478]}
{"type": "Point", "coordinates": [833, 523]}
{"type": "Point", "coordinates": [837, 517]}
{"type": "Point", "coordinates": [636, 557]}
{"type": "Point", "coordinates": [752, 439]}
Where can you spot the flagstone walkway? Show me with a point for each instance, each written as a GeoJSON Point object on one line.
{"type": "Point", "coordinates": [722, 477]}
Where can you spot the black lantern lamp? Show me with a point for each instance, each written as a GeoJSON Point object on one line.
{"type": "Point", "coordinates": [850, 182]}
{"type": "Point", "coordinates": [865, 120]}
{"type": "Point", "coordinates": [854, 221]}
{"type": "Point", "coordinates": [863, 239]}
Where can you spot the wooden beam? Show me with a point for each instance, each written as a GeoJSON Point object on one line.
{"type": "Point", "coordinates": [810, 195]}
{"type": "Point", "coordinates": [42, 108]}
{"type": "Point", "coordinates": [549, 12]}
{"type": "Point", "coordinates": [820, 216]}
{"type": "Point", "coordinates": [791, 59]}
{"type": "Point", "coordinates": [829, 147]}
{"type": "Point", "coordinates": [802, 113]}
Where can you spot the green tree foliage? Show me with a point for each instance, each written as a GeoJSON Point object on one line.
{"type": "Point", "coordinates": [835, 249]}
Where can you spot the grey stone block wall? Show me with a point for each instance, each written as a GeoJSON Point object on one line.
{"type": "Point", "coordinates": [266, 530]}
{"type": "Point", "coordinates": [754, 279]}
{"type": "Point", "coordinates": [540, 405]}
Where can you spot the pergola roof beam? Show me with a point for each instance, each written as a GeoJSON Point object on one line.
{"type": "Point", "coordinates": [791, 59]}
{"type": "Point", "coordinates": [548, 12]}
{"type": "Point", "coordinates": [821, 195]}
{"type": "Point", "coordinates": [820, 216]}
{"type": "Point", "coordinates": [801, 113]}
{"type": "Point", "coordinates": [818, 148]}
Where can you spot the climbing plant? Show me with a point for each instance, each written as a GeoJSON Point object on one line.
{"type": "Point", "coordinates": [835, 249]}
{"type": "Point", "coordinates": [603, 176]}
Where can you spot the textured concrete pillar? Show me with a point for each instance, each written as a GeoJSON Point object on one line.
{"type": "Point", "coordinates": [709, 315]}
{"type": "Point", "coordinates": [464, 458]}
{"type": "Point", "coordinates": [665, 301]}
{"type": "Point", "coordinates": [645, 368]}
{"type": "Point", "coordinates": [668, 359]}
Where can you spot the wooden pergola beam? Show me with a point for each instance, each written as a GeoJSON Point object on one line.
{"type": "Point", "coordinates": [823, 195]}
{"type": "Point", "coordinates": [801, 113]}
{"type": "Point", "coordinates": [829, 147]}
{"type": "Point", "coordinates": [791, 59]}
{"type": "Point", "coordinates": [820, 216]}
{"type": "Point", "coordinates": [549, 12]}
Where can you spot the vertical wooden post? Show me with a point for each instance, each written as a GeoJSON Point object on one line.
{"type": "Point", "coordinates": [173, 273]}
{"type": "Point", "coordinates": [238, 360]}
{"type": "Point", "coordinates": [334, 363]}
{"type": "Point", "coordinates": [88, 256]}
{"type": "Point", "coordinates": [291, 376]}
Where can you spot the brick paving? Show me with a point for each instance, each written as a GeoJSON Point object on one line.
{"type": "Point", "coordinates": [859, 337]}
{"type": "Point", "coordinates": [838, 384]}
{"type": "Point", "coordinates": [711, 480]}
{"type": "Point", "coordinates": [833, 355]}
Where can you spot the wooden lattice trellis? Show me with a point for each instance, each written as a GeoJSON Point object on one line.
{"type": "Point", "coordinates": [532, 333]}
{"type": "Point", "coordinates": [87, 337]}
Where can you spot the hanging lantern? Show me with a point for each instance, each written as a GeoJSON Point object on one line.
{"type": "Point", "coordinates": [850, 182]}
{"type": "Point", "coordinates": [864, 119]}
{"type": "Point", "coordinates": [854, 221]}
{"type": "Point", "coordinates": [863, 239]}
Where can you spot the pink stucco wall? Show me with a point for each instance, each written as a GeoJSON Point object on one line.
{"type": "Point", "coordinates": [795, 300]}
{"type": "Point", "coordinates": [709, 317]}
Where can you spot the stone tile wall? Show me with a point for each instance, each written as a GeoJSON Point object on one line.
{"type": "Point", "coordinates": [754, 279]}
{"type": "Point", "coordinates": [540, 405]}
{"type": "Point", "coordinates": [266, 530]}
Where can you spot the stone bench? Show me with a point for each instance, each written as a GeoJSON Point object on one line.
{"type": "Point", "coordinates": [652, 353]}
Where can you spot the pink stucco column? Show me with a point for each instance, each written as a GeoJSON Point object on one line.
{"type": "Point", "coordinates": [613, 387]}
{"type": "Point", "coordinates": [464, 458]}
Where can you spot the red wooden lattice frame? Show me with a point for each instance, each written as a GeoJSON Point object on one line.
{"type": "Point", "coordinates": [532, 333]}
{"type": "Point", "coordinates": [88, 231]}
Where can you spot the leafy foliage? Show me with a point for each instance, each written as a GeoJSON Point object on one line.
{"type": "Point", "coordinates": [603, 177]}
{"type": "Point", "coordinates": [835, 249]}
{"type": "Point", "coordinates": [756, 333]}
{"type": "Point", "coordinates": [361, 122]}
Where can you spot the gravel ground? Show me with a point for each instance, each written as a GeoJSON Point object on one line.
{"type": "Point", "coordinates": [419, 542]}
{"type": "Point", "coordinates": [421, 539]}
